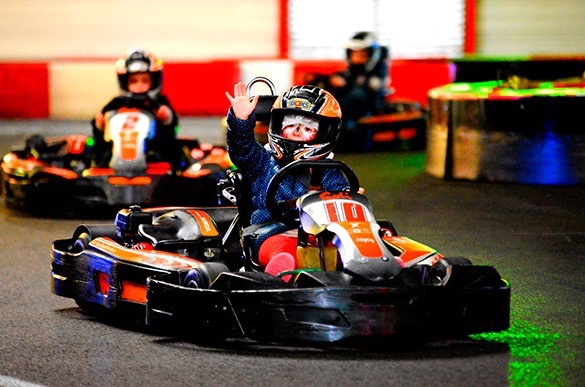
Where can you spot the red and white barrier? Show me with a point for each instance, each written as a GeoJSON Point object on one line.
{"type": "Point", "coordinates": [76, 89]}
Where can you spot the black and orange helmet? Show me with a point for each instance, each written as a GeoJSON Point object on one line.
{"type": "Point", "coordinates": [138, 60]}
{"type": "Point", "coordinates": [313, 102]}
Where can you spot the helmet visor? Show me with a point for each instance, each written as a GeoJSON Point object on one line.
{"type": "Point", "coordinates": [297, 127]}
{"type": "Point", "coordinates": [137, 66]}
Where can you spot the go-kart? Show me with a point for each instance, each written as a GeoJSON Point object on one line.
{"type": "Point", "coordinates": [399, 124]}
{"type": "Point", "coordinates": [355, 277]}
{"type": "Point", "coordinates": [105, 267]}
{"type": "Point", "coordinates": [57, 172]}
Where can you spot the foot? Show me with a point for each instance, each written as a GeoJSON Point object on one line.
{"type": "Point", "coordinates": [279, 263]}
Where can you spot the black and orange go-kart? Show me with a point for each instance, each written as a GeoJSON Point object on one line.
{"type": "Point", "coordinates": [355, 278]}
{"type": "Point", "coordinates": [57, 172]}
{"type": "Point", "coordinates": [399, 124]}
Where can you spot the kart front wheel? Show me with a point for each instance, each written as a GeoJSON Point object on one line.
{"type": "Point", "coordinates": [203, 275]}
{"type": "Point", "coordinates": [440, 272]}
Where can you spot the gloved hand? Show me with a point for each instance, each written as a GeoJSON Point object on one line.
{"type": "Point", "coordinates": [100, 121]}
{"type": "Point", "coordinates": [164, 115]}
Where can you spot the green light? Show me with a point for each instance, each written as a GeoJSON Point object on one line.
{"type": "Point", "coordinates": [90, 141]}
{"type": "Point", "coordinates": [488, 89]}
{"type": "Point", "coordinates": [531, 351]}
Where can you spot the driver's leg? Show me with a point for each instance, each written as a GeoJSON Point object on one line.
{"type": "Point", "coordinates": [278, 253]}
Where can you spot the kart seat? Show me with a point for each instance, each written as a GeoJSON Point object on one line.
{"type": "Point", "coordinates": [184, 229]}
{"type": "Point", "coordinates": [264, 108]}
{"type": "Point", "coordinates": [245, 233]}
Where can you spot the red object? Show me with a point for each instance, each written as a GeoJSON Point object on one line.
{"type": "Point", "coordinates": [281, 262]}
{"type": "Point", "coordinates": [276, 244]}
{"type": "Point", "coordinates": [197, 89]}
{"type": "Point", "coordinates": [143, 246]}
{"type": "Point", "coordinates": [470, 20]}
{"type": "Point", "coordinates": [412, 79]}
{"type": "Point", "coordinates": [283, 30]}
{"type": "Point", "coordinates": [25, 90]}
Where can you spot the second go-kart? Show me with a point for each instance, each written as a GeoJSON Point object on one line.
{"type": "Point", "coordinates": [195, 270]}
{"type": "Point", "coordinates": [399, 123]}
{"type": "Point", "coordinates": [54, 172]}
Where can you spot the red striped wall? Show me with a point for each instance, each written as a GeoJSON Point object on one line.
{"type": "Point", "coordinates": [197, 88]}
{"type": "Point", "coordinates": [24, 90]}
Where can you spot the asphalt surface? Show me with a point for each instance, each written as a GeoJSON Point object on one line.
{"type": "Point", "coordinates": [533, 235]}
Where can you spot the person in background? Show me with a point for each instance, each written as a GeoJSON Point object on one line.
{"type": "Point", "coordinates": [361, 88]}
{"type": "Point", "coordinates": [140, 77]}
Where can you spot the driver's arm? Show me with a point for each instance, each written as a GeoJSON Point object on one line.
{"type": "Point", "coordinates": [245, 152]}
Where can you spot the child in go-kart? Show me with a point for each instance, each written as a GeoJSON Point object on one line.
{"type": "Point", "coordinates": [362, 87]}
{"type": "Point", "coordinates": [305, 123]}
{"type": "Point", "coordinates": [140, 78]}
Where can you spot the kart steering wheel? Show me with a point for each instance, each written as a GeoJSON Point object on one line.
{"type": "Point", "coordinates": [283, 209]}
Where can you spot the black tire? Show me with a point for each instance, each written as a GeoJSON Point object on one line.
{"type": "Point", "coordinates": [440, 272]}
{"type": "Point", "coordinates": [91, 309]}
{"type": "Point", "coordinates": [81, 243]}
{"type": "Point", "coordinates": [203, 275]}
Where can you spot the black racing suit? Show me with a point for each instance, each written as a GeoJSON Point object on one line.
{"type": "Point", "coordinates": [162, 146]}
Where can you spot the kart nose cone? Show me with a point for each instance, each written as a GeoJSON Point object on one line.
{"type": "Point", "coordinates": [373, 270]}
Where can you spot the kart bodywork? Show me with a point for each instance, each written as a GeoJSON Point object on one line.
{"type": "Point", "coordinates": [57, 172]}
{"type": "Point", "coordinates": [98, 269]}
{"type": "Point", "coordinates": [355, 277]}
{"type": "Point", "coordinates": [399, 123]}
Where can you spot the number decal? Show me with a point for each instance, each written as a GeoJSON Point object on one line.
{"type": "Point", "coordinates": [354, 212]}
{"type": "Point", "coordinates": [331, 211]}
{"type": "Point", "coordinates": [129, 137]}
{"type": "Point", "coordinates": [130, 122]}
{"type": "Point", "coordinates": [350, 212]}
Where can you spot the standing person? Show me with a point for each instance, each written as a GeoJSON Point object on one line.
{"type": "Point", "coordinates": [305, 123]}
{"type": "Point", "coordinates": [140, 77]}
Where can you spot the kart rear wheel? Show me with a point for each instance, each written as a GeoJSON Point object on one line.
{"type": "Point", "coordinates": [203, 275]}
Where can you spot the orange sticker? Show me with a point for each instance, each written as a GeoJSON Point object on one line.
{"type": "Point", "coordinates": [205, 223]}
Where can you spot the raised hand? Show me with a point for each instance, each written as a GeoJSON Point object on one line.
{"type": "Point", "coordinates": [241, 104]}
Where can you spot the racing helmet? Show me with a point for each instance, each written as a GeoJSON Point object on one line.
{"type": "Point", "coordinates": [312, 102]}
{"type": "Point", "coordinates": [138, 60]}
{"type": "Point", "coordinates": [367, 41]}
